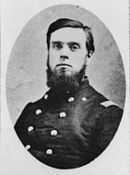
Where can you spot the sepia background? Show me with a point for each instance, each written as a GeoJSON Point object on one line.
{"type": "Point", "coordinates": [26, 71]}
{"type": "Point", "coordinates": [15, 160]}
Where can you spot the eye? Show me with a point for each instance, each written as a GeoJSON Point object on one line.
{"type": "Point", "coordinates": [74, 47]}
{"type": "Point", "coordinates": [57, 45]}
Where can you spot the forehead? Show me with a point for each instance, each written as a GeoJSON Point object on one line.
{"type": "Point", "coordinates": [69, 34]}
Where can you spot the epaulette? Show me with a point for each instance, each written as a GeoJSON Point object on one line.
{"type": "Point", "coordinates": [108, 103]}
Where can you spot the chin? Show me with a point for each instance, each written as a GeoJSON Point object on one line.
{"type": "Point", "coordinates": [68, 73]}
{"type": "Point", "coordinates": [65, 72]}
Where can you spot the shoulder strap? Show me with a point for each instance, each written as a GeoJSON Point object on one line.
{"type": "Point", "coordinates": [108, 103]}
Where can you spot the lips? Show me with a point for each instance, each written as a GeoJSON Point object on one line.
{"type": "Point", "coordinates": [63, 65]}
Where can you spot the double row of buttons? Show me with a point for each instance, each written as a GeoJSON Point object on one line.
{"type": "Point", "coordinates": [53, 132]}
{"type": "Point", "coordinates": [48, 151]}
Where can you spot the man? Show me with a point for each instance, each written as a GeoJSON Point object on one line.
{"type": "Point", "coordinates": [72, 124]}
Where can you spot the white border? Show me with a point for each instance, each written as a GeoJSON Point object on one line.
{"type": "Point", "coordinates": [14, 159]}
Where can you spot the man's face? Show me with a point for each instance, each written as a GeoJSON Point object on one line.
{"type": "Point", "coordinates": [67, 51]}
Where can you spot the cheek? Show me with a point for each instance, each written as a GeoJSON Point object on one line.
{"type": "Point", "coordinates": [78, 65]}
{"type": "Point", "coordinates": [53, 58]}
{"type": "Point", "coordinates": [78, 59]}
{"type": "Point", "coordinates": [54, 54]}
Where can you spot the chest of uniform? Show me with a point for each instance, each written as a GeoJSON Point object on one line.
{"type": "Point", "coordinates": [70, 116]}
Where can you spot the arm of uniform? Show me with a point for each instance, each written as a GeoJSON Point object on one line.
{"type": "Point", "coordinates": [110, 119]}
{"type": "Point", "coordinates": [19, 125]}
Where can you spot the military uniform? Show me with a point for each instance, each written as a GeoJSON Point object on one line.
{"type": "Point", "coordinates": [68, 128]}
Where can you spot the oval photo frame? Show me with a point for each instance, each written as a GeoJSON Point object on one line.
{"type": "Point", "coordinates": [26, 82]}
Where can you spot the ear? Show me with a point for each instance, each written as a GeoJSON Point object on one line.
{"type": "Point", "coordinates": [88, 58]}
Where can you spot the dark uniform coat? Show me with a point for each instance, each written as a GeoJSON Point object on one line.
{"type": "Point", "coordinates": [68, 129]}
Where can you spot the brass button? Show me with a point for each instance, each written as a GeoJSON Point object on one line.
{"type": "Point", "coordinates": [71, 99]}
{"type": "Point", "coordinates": [38, 111]}
{"type": "Point", "coordinates": [46, 97]}
{"type": "Point", "coordinates": [62, 114]}
{"type": "Point", "coordinates": [30, 128]}
{"type": "Point", "coordinates": [54, 132]}
{"type": "Point", "coordinates": [84, 99]}
{"type": "Point", "coordinates": [28, 147]}
{"type": "Point", "coordinates": [49, 151]}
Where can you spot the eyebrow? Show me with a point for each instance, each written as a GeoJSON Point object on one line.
{"type": "Point", "coordinates": [54, 42]}
{"type": "Point", "coordinates": [70, 43]}
{"type": "Point", "coordinates": [73, 43]}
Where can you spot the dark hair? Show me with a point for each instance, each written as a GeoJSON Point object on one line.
{"type": "Point", "coordinates": [65, 22]}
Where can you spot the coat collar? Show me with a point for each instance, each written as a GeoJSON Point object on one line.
{"type": "Point", "coordinates": [84, 89]}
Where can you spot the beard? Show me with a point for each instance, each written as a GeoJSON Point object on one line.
{"type": "Point", "coordinates": [63, 79]}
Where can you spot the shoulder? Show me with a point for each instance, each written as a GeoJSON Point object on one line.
{"type": "Point", "coordinates": [29, 110]}
{"type": "Point", "coordinates": [111, 115]}
{"type": "Point", "coordinates": [110, 106]}
{"type": "Point", "coordinates": [110, 118]}
{"type": "Point", "coordinates": [103, 102]}
{"type": "Point", "coordinates": [109, 111]}
{"type": "Point", "coordinates": [31, 106]}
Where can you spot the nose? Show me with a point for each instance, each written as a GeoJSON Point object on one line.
{"type": "Point", "coordinates": [64, 53]}
{"type": "Point", "coordinates": [64, 57]}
